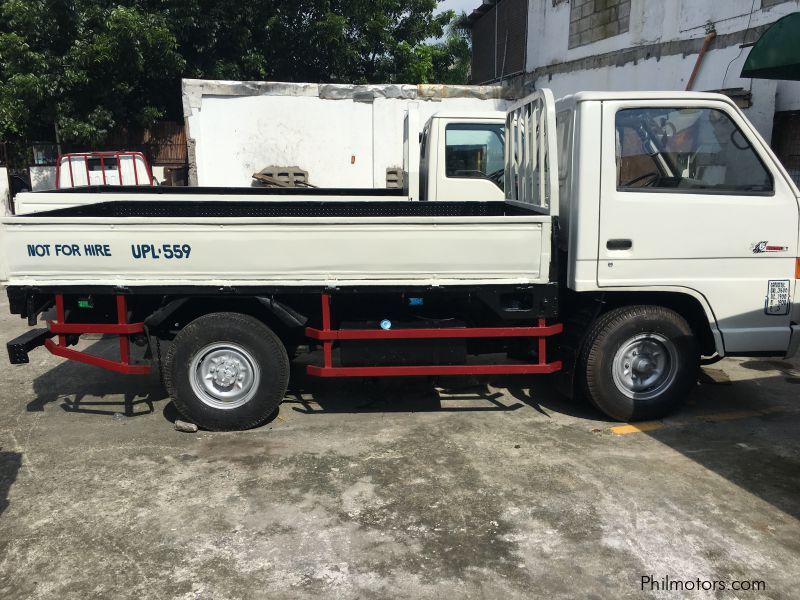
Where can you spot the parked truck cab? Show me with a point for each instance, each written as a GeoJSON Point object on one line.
{"type": "Point", "coordinates": [461, 157]}
{"type": "Point", "coordinates": [639, 232]}
{"type": "Point", "coordinates": [679, 194]}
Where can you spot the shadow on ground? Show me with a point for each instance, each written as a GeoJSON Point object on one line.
{"type": "Point", "coordinates": [751, 442]}
{"type": "Point", "coordinates": [311, 395]}
{"type": "Point", "coordinates": [10, 463]}
{"type": "Point", "coordinates": [87, 389]}
{"type": "Point", "coordinates": [746, 432]}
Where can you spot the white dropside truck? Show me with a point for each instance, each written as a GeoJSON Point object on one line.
{"type": "Point", "coordinates": [640, 232]}
{"type": "Point", "coordinates": [454, 156]}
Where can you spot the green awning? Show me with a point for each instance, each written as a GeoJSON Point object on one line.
{"type": "Point", "coordinates": [777, 54]}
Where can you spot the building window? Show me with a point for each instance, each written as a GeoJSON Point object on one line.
{"type": "Point", "coordinates": [689, 150]}
{"type": "Point", "coordinates": [594, 20]}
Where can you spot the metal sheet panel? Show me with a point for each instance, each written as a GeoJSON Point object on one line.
{"type": "Point", "coordinates": [286, 251]}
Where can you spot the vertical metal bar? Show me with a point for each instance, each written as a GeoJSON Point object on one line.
{"type": "Point", "coordinates": [327, 345]}
{"type": "Point", "coordinates": [543, 133]}
{"type": "Point", "coordinates": [532, 122]}
{"type": "Point", "coordinates": [506, 155]}
{"type": "Point", "coordinates": [62, 340]}
{"type": "Point", "coordinates": [521, 155]}
{"type": "Point", "coordinates": [135, 172]}
{"type": "Point", "coordinates": [86, 164]}
{"type": "Point", "coordinates": [542, 345]}
{"type": "Point", "coordinates": [103, 168]}
{"type": "Point", "coordinates": [122, 319]}
{"type": "Point", "coordinates": [118, 156]}
{"type": "Point", "coordinates": [71, 176]}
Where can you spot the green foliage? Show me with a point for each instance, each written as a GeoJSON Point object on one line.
{"type": "Point", "coordinates": [84, 67]}
{"type": "Point", "coordinates": [87, 67]}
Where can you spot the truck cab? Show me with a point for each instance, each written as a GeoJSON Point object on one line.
{"type": "Point", "coordinates": [461, 157]}
{"type": "Point", "coordinates": [678, 194]}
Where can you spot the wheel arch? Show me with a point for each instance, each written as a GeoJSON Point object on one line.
{"type": "Point", "coordinates": [691, 305]}
{"type": "Point", "coordinates": [585, 307]}
{"type": "Point", "coordinates": [178, 312]}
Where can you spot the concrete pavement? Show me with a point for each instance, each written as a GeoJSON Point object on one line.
{"type": "Point", "coordinates": [396, 489]}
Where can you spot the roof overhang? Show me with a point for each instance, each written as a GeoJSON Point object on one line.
{"type": "Point", "coordinates": [485, 7]}
{"type": "Point", "coordinates": [776, 55]}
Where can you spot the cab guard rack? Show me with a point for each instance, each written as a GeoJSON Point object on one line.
{"type": "Point", "coordinates": [327, 335]}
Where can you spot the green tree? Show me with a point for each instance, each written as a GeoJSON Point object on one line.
{"type": "Point", "coordinates": [83, 68]}
{"type": "Point", "coordinates": [453, 59]}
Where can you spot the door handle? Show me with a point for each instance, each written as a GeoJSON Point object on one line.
{"type": "Point", "coordinates": [619, 244]}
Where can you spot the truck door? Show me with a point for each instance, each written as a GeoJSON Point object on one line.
{"type": "Point", "coordinates": [691, 199]}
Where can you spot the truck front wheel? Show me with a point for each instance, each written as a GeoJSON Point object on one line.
{"type": "Point", "coordinates": [639, 362]}
{"type": "Point", "coordinates": [227, 371]}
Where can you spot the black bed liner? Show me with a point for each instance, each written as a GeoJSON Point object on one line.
{"type": "Point", "coordinates": [224, 191]}
{"type": "Point", "coordinates": [302, 208]}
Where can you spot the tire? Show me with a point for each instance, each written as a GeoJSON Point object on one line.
{"type": "Point", "coordinates": [639, 362]}
{"type": "Point", "coordinates": [226, 371]}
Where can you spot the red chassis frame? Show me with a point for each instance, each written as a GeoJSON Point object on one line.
{"type": "Point", "coordinates": [123, 329]}
{"type": "Point", "coordinates": [328, 336]}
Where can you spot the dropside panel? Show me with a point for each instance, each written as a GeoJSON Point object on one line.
{"type": "Point", "coordinates": [279, 250]}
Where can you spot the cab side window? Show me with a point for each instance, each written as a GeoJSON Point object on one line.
{"type": "Point", "coordinates": [475, 150]}
{"type": "Point", "coordinates": [693, 150]}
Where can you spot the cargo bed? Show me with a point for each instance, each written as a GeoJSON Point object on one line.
{"type": "Point", "coordinates": [34, 202]}
{"type": "Point", "coordinates": [188, 241]}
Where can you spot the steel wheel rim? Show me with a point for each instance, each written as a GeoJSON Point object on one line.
{"type": "Point", "coordinates": [224, 375]}
{"type": "Point", "coordinates": [645, 365]}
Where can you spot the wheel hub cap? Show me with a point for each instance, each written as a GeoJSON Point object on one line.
{"type": "Point", "coordinates": [645, 365]}
{"type": "Point", "coordinates": [224, 375]}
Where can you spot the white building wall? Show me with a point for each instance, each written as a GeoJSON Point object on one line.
{"type": "Point", "coordinates": [42, 178]}
{"type": "Point", "coordinates": [5, 194]}
{"type": "Point", "coordinates": [656, 23]}
{"type": "Point", "coordinates": [344, 136]}
{"type": "Point", "coordinates": [238, 136]}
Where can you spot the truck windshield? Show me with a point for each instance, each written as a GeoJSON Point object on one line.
{"type": "Point", "coordinates": [698, 149]}
{"type": "Point", "coordinates": [475, 150]}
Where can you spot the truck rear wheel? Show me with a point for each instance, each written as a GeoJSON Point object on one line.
{"type": "Point", "coordinates": [639, 362]}
{"type": "Point", "coordinates": [227, 371]}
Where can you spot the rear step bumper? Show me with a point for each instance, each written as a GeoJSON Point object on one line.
{"type": "Point", "coordinates": [19, 347]}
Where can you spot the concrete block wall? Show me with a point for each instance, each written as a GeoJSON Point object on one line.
{"type": "Point", "coordinates": [594, 20]}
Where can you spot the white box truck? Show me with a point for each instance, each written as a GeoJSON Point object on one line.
{"type": "Point", "coordinates": [640, 232]}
